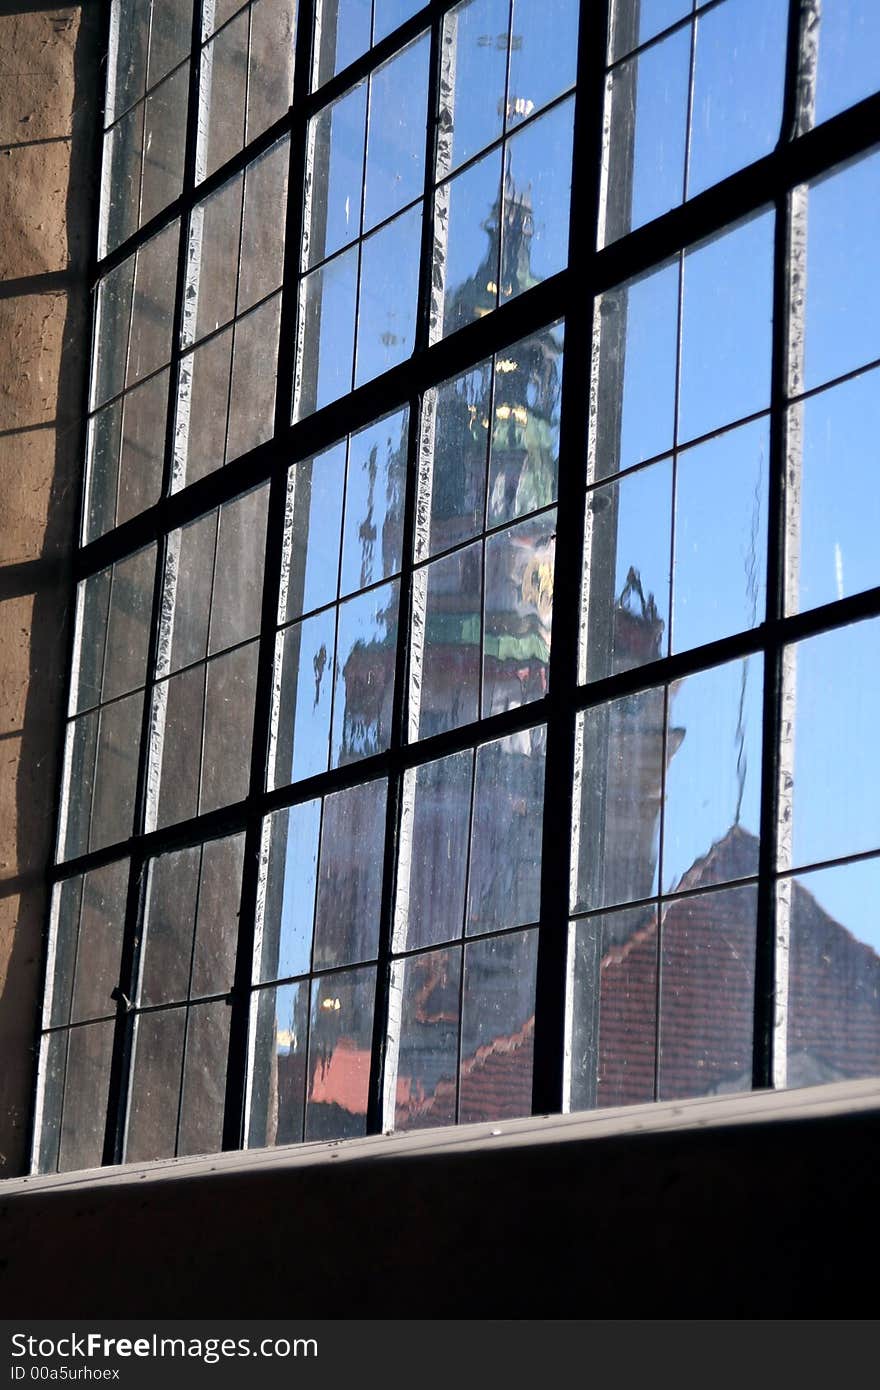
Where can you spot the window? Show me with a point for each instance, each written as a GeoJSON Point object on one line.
{"type": "Point", "coordinates": [471, 707]}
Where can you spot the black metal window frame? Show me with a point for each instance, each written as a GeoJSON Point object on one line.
{"type": "Point", "coordinates": [571, 295]}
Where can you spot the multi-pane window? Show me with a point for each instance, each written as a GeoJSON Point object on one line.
{"type": "Point", "coordinates": [471, 707]}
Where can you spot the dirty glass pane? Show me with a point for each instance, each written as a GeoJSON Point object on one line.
{"type": "Point", "coordinates": [433, 852]}
{"type": "Point", "coordinates": [386, 320]}
{"type": "Point", "coordinates": [446, 642]}
{"type": "Point", "coordinates": [619, 786]}
{"type": "Point", "coordinates": [497, 1028]}
{"type": "Point", "coordinates": [738, 88]}
{"type": "Point", "coordinates": [186, 606]}
{"type": "Point", "coordinates": [115, 609]}
{"type": "Point", "coordinates": [835, 493]}
{"type": "Point", "coordinates": [726, 376]}
{"type": "Point", "coordinates": [340, 1045]}
{"type": "Point", "coordinates": [537, 193]}
{"type": "Point", "coordinates": [112, 326]}
{"type": "Point", "coordinates": [543, 54]}
{"type": "Point", "coordinates": [833, 995]}
{"type": "Point", "coordinates": [842, 281]}
{"type": "Point", "coordinates": [395, 169]}
{"type": "Point", "coordinates": [121, 180]}
{"type": "Point", "coordinates": [154, 1095]}
{"type": "Point", "coordinates": [467, 243]}
{"type": "Point", "coordinates": [423, 1040]}
{"type": "Point", "coordinates": [270, 63]}
{"type": "Point", "coordinates": [222, 96]}
{"type": "Point", "coordinates": [254, 370]}
{"type": "Point", "coordinates": [99, 949]}
{"type": "Point", "coordinates": [627, 558]}
{"type": "Point", "coordinates": [238, 576]}
{"type": "Point", "coordinates": [289, 884]}
{"type": "Point", "coordinates": [164, 143]}
{"type": "Point", "coordinates": [204, 1078]}
{"type": "Point", "coordinates": [229, 718]}
{"type": "Point", "coordinates": [366, 654]}
{"type": "Point", "coordinates": [176, 745]}
{"type": "Point", "coordinates": [350, 876]}
{"type": "Point", "coordinates": [721, 536]}
{"type": "Point", "coordinates": [707, 994]}
{"type": "Point", "coordinates": [849, 35]}
{"type": "Point", "coordinates": [279, 1030]}
{"type": "Point", "coordinates": [713, 780]}
{"type": "Point", "coordinates": [215, 14]}
{"type": "Point", "coordinates": [473, 79]}
{"type": "Point", "coordinates": [79, 785]}
{"type": "Point", "coordinates": [613, 993]}
{"type": "Point", "coordinates": [169, 921]}
{"type": "Point", "coordinates": [337, 135]}
{"type": "Point", "coordinates": [647, 116]}
{"type": "Point", "coordinates": [115, 774]}
{"type": "Point", "coordinates": [64, 933]}
{"type": "Point", "coordinates": [633, 414]}
{"type": "Point", "coordinates": [836, 757]}
{"type": "Point", "coordinates": [524, 442]}
{"type": "Point", "coordinates": [325, 354]}
{"type": "Point", "coordinates": [372, 536]}
{"type": "Point", "coordinates": [263, 226]}
{"type": "Point", "coordinates": [518, 611]}
{"type": "Point", "coordinates": [504, 885]}
{"type": "Point", "coordinates": [304, 664]}
{"type": "Point", "coordinates": [153, 304]}
{"type": "Point", "coordinates": [200, 424]}
{"type": "Point", "coordinates": [170, 35]}
{"type": "Point", "coordinates": [85, 1096]}
{"type": "Point", "coordinates": [212, 262]}
{"type": "Point", "coordinates": [213, 966]}
{"type": "Point", "coordinates": [126, 456]}
{"type": "Point", "coordinates": [127, 59]}
{"type": "Point", "coordinates": [452, 475]}
{"type": "Point", "coordinates": [310, 571]}
{"type": "Point", "coordinates": [53, 1062]}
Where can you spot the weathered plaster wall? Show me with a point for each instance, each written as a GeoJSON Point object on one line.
{"type": "Point", "coordinates": [48, 87]}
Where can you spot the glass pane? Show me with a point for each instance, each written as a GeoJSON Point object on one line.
{"type": "Point", "coordinates": [836, 757]}
{"type": "Point", "coordinates": [238, 578]}
{"type": "Point", "coordinates": [169, 920]}
{"type": "Point", "coordinates": [537, 193]}
{"type": "Point", "coordinates": [270, 64]}
{"type": "Point", "coordinates": [497, 1028]}
{"type": "Point", "coordinates": [713, 779]}
{"type": "Point", "coordinates": [153, 304]}
{"type": "Point", "coordinates": [170, 34]}
{"type": "Point", "coordinates": [310, 568]}
{"type": "Point", "coordinates": [303, 699]}
{"type": "Point", "coordinates": [721, 536]}
{"type": "Point", "coordinates": [112, 325]}
{"type": "Point", "coordinates": [289, 884]}
{"type": "Point", "coordinates": [633, 414]}
{"type": "Point", "coordinates": [99, 949]}
{"type": "Point", "coordinates": [127, 59]}
{"type": "Point", "coordinates": [340, 1046]}
{"type": "Point", "coordinates": [79, 785]}
{"type": "Point", "coordinates": [333, 215]}
{"type": "Point", "coordinates": [279, 1030]}
{"type": "Point", "coordinates": [121, 179]}
{"type": "Point", "coordinates": [126, 455]}
{"type": "Point", "coordinates": [636, 21]}
{"type": "Point", "coordinates": [215, 14]}
{"type": "Point", "coordinates": [154, 1095]}
{"type": "Point", "coordinates": [645, 157]}
{"type": "Point", "coordinates": [200, 425]}
{"type": "Point", "coordinates": [53, 1061]}
{"type": "Point", "coordinates": [423, 1041]}
{"type": "Point", "coordinates": [388, 14]}
{"type": "Point", "coordinates": [115, 611]}
{"type": "Point", "coordinates": [473, 79]}
{"type": "Point", "coordinates": [627, 557]}
{"type": "Point", "coordinates": [504, 886]}
{"type": "Point", "coordinates": [518, 613]}
{"type": "Point", "coordinates": [707, 994]}
{"type": "Point", "coordinates": [343, 34]}
{"type": "Point", "coordinates": [186, 606]}
{"type": "Point", "coordinates": [374, 493]}
{"type": "Point", "coordinates": [849, 35]}
{"type": "Point", "coordinates": [86, 1088]}
{"type": "Point", "coordinates": [524, 444]}
{"type": "Point", "coordinates": [164, 143]}
{"type": "Point", "coordinates": [395, 170]}
{"type": "Point", "coordinates": [229, 719]}
{"type": "Point", "coordinates": [726, 376]}
{"type": "Point", "coordinates": [433, 852]}
{"type": "Point", "coordinates": [618, 791]}
{"type": "Point", "coordinates": [212, 263]}
{"type": "Point", "coordinates": [350, 876]}
{"type": "Point", "coordinates": [388, 296]}
{"type": "Point", "coordinates": [116, 763]}
{"type": "Point", "coordinates": [204, 1079]}
{"type": "Point", "coordinates": [842, 284]}
{"type": "Point", "coordinates": [366, 655]}
{"type": "Point", "coordinates": [738, 88]}
{"type": "Point", "coordinates": [176, 746]}
{"type": "Point", "coordinates": [262, 233]}
{"type": "Point", "coordinates": [613, 993]}
{"type": "Point", "coordinates": [222, 94]}
{"type": "Point", "coordinates": [446, 643]}
{"type": "Point", "coordinates": [213, 966]}
{"type": "Point", "coordinates": [834, 493]}
{"type": "Point", "coordinates": [834, 975]}
{"type": "Point", "coordinates": [452, 473]}
{"type": "Point", "coordinates": [466, 266]}
{"type": "Point", "coordinates": [543, 54]}
{"type": "Point", "coordinates": [64, 931]}
{"type": "Point", "coordinates": [254, 370]}
{"type": "Point", "coordinates": [325, 349]}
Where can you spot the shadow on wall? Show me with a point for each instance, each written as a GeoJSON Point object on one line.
{"type": "Point", "coordinates": [48, 86]}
